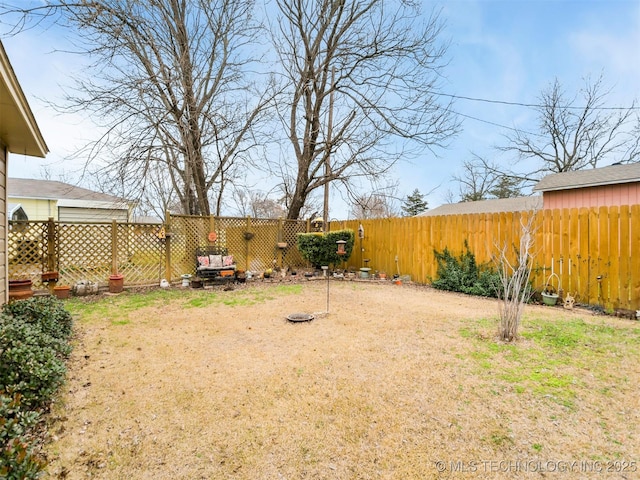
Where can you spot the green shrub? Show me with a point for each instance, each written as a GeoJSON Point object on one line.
{"type": "Point", "coordinates": [46, 312]}
{"type": "Point", "coordinates": [31, 361]}
{"type": "Point", "coordinates": [321, 248]}
{"type": "Point", "coordinates": [463, 274]}
{"type": "Point", "coordinates": [17, 458]}
{"type": "Point", "coordinates": [34, 337]}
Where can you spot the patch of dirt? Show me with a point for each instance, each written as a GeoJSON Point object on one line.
{"type": "Point", "coordinates": [384, 386]}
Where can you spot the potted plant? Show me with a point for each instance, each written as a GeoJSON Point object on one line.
{"type": "Point", "coordinates": [20, 289]}
{"type": "Point", "coordinates": [116, 283]}
{"type": "Point", "coordinates": [549, 293]}
{"type": "Point", "coordinates": [62, 292]}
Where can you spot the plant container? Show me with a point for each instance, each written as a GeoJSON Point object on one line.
{"type": "Point", "coordinates": [364, 272]}
{"type": "Point", "coordinates": [116, 283]}
{"type": "Point", "coordinates": [20, 289]}
{"type": "Point", "coordinates": [50, 277]}
{"type": "Point", "coordinates": [62, 291]}
{"type": "Point", "coordinates": [549, 298]}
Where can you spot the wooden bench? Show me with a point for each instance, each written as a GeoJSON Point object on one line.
{"type": "Point", "coordinates": [214, 263]}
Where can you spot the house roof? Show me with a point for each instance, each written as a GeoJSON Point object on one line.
{"type": "Point", "coordinates": [494, 205]}
{"type": "Point", "coordinates": [18, 128]}
{"type": "Point", "coordinates": [53, 190]}
{"type": "Point", "coordinates": [613, 174]}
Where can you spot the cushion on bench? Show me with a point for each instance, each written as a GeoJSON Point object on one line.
{"type": "Point", "coordinates": [214, 262]}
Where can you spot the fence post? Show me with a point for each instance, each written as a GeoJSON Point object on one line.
{"type": "Point", "coordinates": [280, 239]}
{"type": "Point", "coordinates": [247, 243]}
{"type": "Point", "coordinates": [51, 250]}
{"type": "Point", "coordinates": [167, 246]}
{"type": "Point", "coordinates": [114, 247]}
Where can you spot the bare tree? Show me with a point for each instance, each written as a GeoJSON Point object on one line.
{"type": "Point", "coordinates": [481, 180]}
{"type": "Point", "coordinates": [577, 133]}
{"type": "Point", "coordinates": [374, 205]}
{"type": "Point", "coordinates": [515, 289]}
{"type": "Point", "coordinates": [360, 78]}
{"type": "Point", "coordinates": [258, 204]}
{"type": "Point", "coordinates": [475, 181]}
{"type": "Point", "coordinates": [169, 86]}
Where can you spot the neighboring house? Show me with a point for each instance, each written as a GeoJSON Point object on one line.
{"type": "Point", "coordinates": [147, 219]}
{"type": "Point", "coordinates": [614, 185]}
{"type": "Point", "coordinates": [19, 134]}
{"type": "Point", "coordinates": [16, 212]}
{"type": "Point", "coordinates": [493, 205]}
{"type": "Point", "coordinates": [44, 199]}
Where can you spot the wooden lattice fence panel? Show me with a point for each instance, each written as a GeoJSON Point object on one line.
{"type": "Point", "coordinates": [263, 249]}
{"type": "Point", "coordinates": [141, 253]}
{"type": "Point", "coordinates": [27, 250]}
{"type": "Point", "coordinates": [84, 253]}
{"type": "Point", "coordinates": [230, 233]}
{"type": "Point", "coordinates": [252, 242]}
{"type": "Point", "coordinates": [291, 256]}
{"type": "Point", "coordinates": [187, 233]}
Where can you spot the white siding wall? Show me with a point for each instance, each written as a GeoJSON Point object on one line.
{"type": "Point", "coordinates": [77, 214]}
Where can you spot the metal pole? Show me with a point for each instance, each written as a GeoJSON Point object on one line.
{"type": "Point", "coordinates": [325, 270]}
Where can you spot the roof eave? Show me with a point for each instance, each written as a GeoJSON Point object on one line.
{"type": "Point", "coordinates": [537, 188]}
{"type": "Point", "coordinates": [20, 132]}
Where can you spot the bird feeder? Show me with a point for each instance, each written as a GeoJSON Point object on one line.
{"type": "Point", "coordinates": [317, 224]}
{"type": "Point", "coordinates": [341, 247]}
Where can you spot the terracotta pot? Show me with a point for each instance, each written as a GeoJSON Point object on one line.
{"type": "Point", "coordinates": [50, 277]}
{"type": "Point", "coordinates": [20, 289]}
{"type": "Point", "coordinates": [62, 291]}
{"type": "Point", "coordinates": [116, 283]}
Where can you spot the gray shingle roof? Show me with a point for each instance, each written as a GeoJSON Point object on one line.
{"type": "Point", "coordinates": [494, 205]}
{"type": "Point", "coordinates": [594, 177]}
{"type": "Point", "coordinates": [50, 189]}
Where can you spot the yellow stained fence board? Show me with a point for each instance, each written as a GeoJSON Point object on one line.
{"type": "Point", "coordinates": [624, 255]}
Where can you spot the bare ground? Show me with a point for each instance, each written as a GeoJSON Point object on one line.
{"type": "Point", "coordinates": [389, 385]}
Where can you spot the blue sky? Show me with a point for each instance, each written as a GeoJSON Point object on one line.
{"type": "Point", "coordinates": [506, 50]}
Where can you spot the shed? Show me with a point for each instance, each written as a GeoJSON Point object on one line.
{"type": "Point", "coordinates": [615, 185]}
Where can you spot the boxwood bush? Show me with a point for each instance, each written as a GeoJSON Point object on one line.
{"type": "Point", "coordinates": [34, 343]}
{"type": "Point", "coordinates": [463, 274]}
{"type": "Point", "coordinates": [321, 248]}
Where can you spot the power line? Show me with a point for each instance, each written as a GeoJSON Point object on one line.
{"type": "Point", "coordinates": [529, 105]}
{"type": "Point", "coordinates": [497, 124]}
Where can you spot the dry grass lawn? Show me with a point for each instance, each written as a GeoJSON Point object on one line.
{"type": "Point", "coordinates": [395, 383]}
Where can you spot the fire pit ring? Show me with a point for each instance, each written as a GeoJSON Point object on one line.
{"type": "Point", "coordinates": [300, 317]}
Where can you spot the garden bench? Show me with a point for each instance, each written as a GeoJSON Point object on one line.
{"type": "Point", "coordinates": [213, 263]}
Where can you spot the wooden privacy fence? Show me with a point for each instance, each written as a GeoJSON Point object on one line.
{"type": "Point", "coordinates": [145, 253]}
{"type": "Point", "coordinates": [595, 252]}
